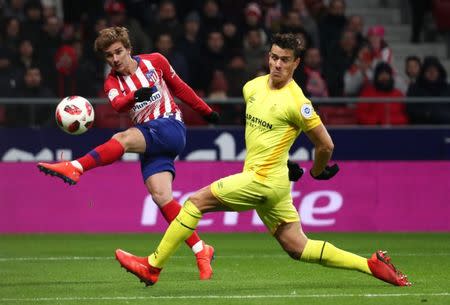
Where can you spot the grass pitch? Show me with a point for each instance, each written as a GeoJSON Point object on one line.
{"type": "Point", "coordinates": [249, 269]}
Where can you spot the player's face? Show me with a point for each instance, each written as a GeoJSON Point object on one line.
{"type": "Point", "coordinates": [282, 64]}
{"type": "Point", "coordinates": [118, 57]}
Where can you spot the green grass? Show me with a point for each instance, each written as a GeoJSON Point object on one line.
{"type": "Point", "coordinates": [249, 269]}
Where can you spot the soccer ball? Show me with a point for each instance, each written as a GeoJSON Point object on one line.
{"type": "Point", "coordinates": [74, 115]}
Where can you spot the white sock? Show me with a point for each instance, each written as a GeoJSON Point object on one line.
{"type": "Point", "coordinates": [77, 165]}
{"type": "Point", "coordinates": [197, 247]}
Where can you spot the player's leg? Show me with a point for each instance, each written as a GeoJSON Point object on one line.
{"type": "Point", "coordinates": [130, 140]}
{"type": "Point", "coordinates": [299, 247]}
{"type": "Point", "coordinates": [179, 230]}
{"type": "Point", "coordinates": [159, 186]}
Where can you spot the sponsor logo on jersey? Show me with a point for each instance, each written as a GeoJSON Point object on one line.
{"type": "Point", "coordinates": [307, 111]}
{"type": "Point", "coordinates": [252, 120]}
{"type": "Point", "coordinates": [155, 97]}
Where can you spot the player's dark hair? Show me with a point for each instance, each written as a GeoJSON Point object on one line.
{"type": "Point", "coordinates": [108, 36]}
{"type": "Point", "coordinates": [289, 41]}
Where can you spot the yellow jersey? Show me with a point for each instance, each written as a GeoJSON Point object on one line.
{"type": "Point", "coordinates": [274, 118]}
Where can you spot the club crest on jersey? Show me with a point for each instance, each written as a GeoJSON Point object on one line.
{"type": "Point", "coordinates": [151, 76]}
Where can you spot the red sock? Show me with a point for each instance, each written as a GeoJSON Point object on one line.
{"type": "Point", "coordinates": [104, 154]}
{"type": "Point", "coordinates": [170, 211]}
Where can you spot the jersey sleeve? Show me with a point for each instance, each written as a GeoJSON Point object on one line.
{"type": "Point", "coordinates": [178, 87]}
{"type": "Point", "coordinates": [119, 101]}
{"type": "Point", "coordinates": [304, 116]}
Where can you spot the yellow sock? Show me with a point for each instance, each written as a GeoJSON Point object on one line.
{"type": "Point", "coordinates": [324, 253]}
{"type": "Point", "coordinates": [177, 232]}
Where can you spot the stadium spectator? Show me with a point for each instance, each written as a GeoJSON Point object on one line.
{"type": "Point", "coordinates": [272, 14]}
{"type": "Point", "coordinates": [432, 82]}
{"type": "Point", "coordinates": [237, 74]}
{"type": "Point", "coordinates": [164, 44]}
{"type": "Point", "coordinates": [360, 73]}
{"type": "Point", "coordinates": [191, 44]}
{"type": "Point", "coordinates": [412, 68]}
{"type": "Point", "coordinates": [308, 22]}
{"type": "Point", "coordinates": [31, 87]}
{"type": "Point", "coordinates": [32, 26]}
{"type": "Point", "coordinates": [311, 77]}
{"type": "Point", "coordinates": [11, 34]}
{"type": "Point", "coordinates": [212, 19]}
{"type": "Point", "coordinates": [253, 20]}
{"type": "Point", "coordinates": [331, 26]}
{"type": "Point", "coordinates": [26, 56]}
{"type": "Point", "coordinates": [214, 58]}
{"type": "Point", "coordinates": [117, 16]}
{"type": "Point", "coordinates": [219, 86]}
{"type": "Point", "coordinates": [379, 49]}
{"type": "Point", "coordinates": [166, 21]}
{"type": "Point", "coordinates": [233, 37]}
{"type": "Point", "coordinates": [8, 74]}
{"type": "Point", "coordinates": [339, 61]}
{"type": "Point", "coordinates": [254, 51]}
{"type": "Point", "coordinates": [385, 113]}
{"type": "Point", "coordinates": [418, 10]}
{"type": "Point", "coordinates": [355, 23]}
{"type": "Point", "coordinates": [14, 9]}
{"type": "Point", "coordinates": [293, 24]}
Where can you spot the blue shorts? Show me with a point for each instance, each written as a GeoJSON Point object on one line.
{"type": "Point", "coordinates": [165, 139]}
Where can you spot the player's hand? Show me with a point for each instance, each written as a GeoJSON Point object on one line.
{"type": "Point", "coordinates": [328, 173]}
{"type": "Point", "coordinates": [212, 118]}
{"type": "Point", "coordinates": [142, 94]}
{"type": "Point", "coordinates": [295, 171]}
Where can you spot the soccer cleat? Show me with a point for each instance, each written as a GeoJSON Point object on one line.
{"type": "Point", "coordinates": [139, 266]}
{"type": "Point", "coordinates": [64, 170]}
{"type": "Point", "coordinates": [204, 259]}
{"type": "Point", "coordinates": [381, 267]}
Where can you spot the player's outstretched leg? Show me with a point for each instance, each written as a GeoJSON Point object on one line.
{"type": "Point", "coordinates": [139, 266]}
{"type": "Point", "coordinates": [204, 253]}
{"type": "Point", "coordinates": [70, 172]}
{"type": "Point", "coordinates": [379, 265]}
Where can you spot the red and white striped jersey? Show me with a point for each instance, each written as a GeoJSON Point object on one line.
{"type": "Point", "coordinates": [153, 71]}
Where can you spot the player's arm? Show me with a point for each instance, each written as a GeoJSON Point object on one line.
{"type": "Point", "coordinates": [119, 101]}
{"type": "Point", "coordinates": [182, 91]}
{"type": "Point", "coordinates": [324, 146]}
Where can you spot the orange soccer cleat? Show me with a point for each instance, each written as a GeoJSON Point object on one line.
{"type": "Point", "coordinates": [139, 266]}
{"type": "Point", "coordinates": [64, 170]}
{"type": "Point", "coordinates": [382, 268]}
{"type": "Point", "coordinates": [204, 259]}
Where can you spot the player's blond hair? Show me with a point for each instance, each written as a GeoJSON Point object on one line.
{"type": "Point", "coordinates": [108, 36]}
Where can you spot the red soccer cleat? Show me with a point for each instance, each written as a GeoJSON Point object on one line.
{"type": "Point", "coordinates": [64, 170]}
{"type": "Point", "coordinates": [204, 259]}
{"type": "Point", "coordinates": [382, 268]}
{"type": "Point", "coordinates": [139, 266]}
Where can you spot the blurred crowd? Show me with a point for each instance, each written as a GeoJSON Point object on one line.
{"type": "Point", "coordinates": [46, 50]}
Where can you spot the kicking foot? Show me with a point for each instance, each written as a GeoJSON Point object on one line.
{"type": "Point", "coordinates": [64, 170]}
{"type": "Point", "coordinates": [382, 268]}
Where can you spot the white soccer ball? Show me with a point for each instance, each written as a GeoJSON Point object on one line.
{"type": "Point", "coordinates": [74, 115]}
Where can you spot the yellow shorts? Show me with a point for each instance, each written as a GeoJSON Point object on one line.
{"type": "Point", "coordinates": [242, 192]}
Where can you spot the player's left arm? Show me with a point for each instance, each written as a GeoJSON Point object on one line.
{"type": "Point", "coordinates": [324, 147]}
{"type": "Point", "coordinates": [182, 90]}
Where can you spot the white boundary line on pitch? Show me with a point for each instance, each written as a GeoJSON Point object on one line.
{"type": "Point", "coordinates": [273, 296]}
{"type": "Point", "coordinates": [89, 258]}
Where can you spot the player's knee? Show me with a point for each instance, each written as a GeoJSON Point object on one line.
{"type": "Point", "coordinates": [161, 197]}
{"type": "Point", "coordinates": [122, 138]}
